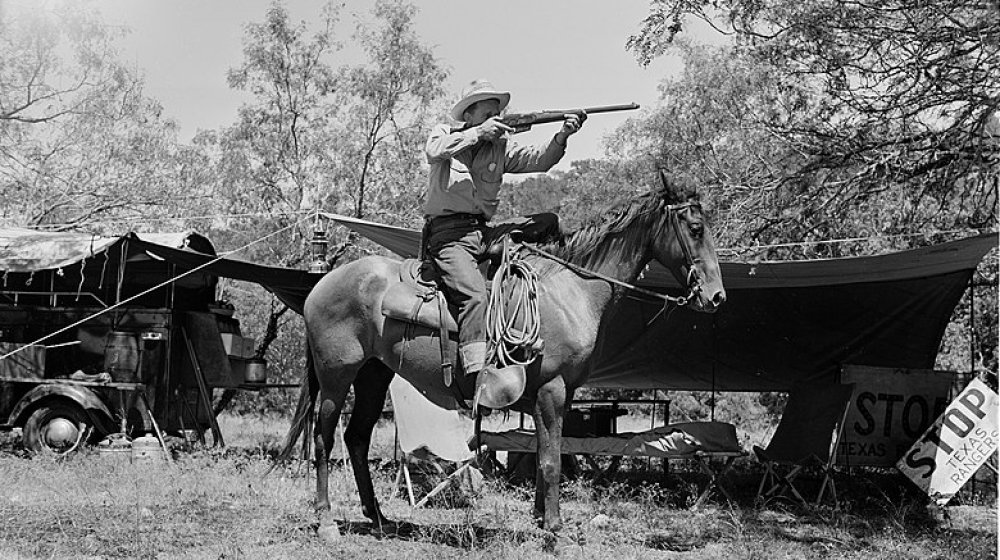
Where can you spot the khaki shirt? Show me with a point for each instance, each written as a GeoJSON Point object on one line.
{"type": "Point", "coordinates": [466, 174]}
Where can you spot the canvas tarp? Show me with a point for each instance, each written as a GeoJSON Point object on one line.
{"type": "Point", "coordinates": [784, 323]}
{"type": "Point", "coordinates": [675, 440]}
{"type": "Point", "coordinates": [289, 285]}
{"type": "Point", "coordinates": [28, 250]}
{"type": "Point", "coordinates": [82, 259]}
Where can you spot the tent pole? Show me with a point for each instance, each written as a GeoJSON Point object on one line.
{"type": "Point", "coordinates": [972, 346]}
{"type": "Point", "coordinates": [713, 369]}
{"type": "Point", "coordinates": [972, 327]}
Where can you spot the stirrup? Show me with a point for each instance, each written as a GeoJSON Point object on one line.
{"type": "Point", "coordinates": [498, 388]}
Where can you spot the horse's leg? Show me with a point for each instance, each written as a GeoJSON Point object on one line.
{"type": "Point", "coordinates": [370, 387]}
{"type": "Point", "coordinates": [549, 410]}
{"type": "Point", "coordinates": [330, 405]}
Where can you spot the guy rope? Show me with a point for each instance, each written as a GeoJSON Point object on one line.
{"type": "Point", "coordinates": [152, 289]}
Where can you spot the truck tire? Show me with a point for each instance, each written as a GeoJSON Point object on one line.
{"type": "Point", "coordinates": [59, 428]}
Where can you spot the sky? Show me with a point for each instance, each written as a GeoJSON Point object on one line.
{"type": "Point", "coordinates": [550, 54]}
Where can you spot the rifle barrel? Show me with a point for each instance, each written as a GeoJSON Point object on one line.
{"type": "Point", "coordinates": [547, 116]}
{"type": "Point", "coordinates": [607, 108]}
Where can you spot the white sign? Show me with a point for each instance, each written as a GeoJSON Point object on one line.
{"type": "Point", "coordinates": [890, 409]}
{"type": "Point", "coordinates": [956, 444]}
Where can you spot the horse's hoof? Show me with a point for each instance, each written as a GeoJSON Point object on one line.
{"type": "Point", "coordinates": [328, 532]}
{"type": "Point", "coordinates": [384, 527]}
{"type": "Point", "coordinates": [550, 540]}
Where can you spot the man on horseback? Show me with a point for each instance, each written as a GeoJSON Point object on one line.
{"type": "Point", "coordinates": [467, 165]}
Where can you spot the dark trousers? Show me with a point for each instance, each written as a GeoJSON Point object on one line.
{"type": "Point", "coordinates": [456, 244]}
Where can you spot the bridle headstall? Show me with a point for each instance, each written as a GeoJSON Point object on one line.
{"type": "Point", "coordinates": [694, 277]}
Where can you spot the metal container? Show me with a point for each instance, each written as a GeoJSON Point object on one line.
{"type": "Point", "coordinates": [121, 356]}
{"type": "Point", "coordinates": [116, 448]}
{"type": "Point", "coordinates": [146, 449]}
{"type": "Point", "coordinates": [255, 372]}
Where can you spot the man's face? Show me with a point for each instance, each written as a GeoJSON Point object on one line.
{"type": "Point", "coordinates": [480, 111]}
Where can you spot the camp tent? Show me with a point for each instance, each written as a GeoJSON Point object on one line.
{"type": "Point", "coordinates": [784, 323]}
{"type": "Point", "coordinates": [86, 267]}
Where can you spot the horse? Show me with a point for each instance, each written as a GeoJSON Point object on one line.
{"type": "Point", "coordinates": [580, 280]}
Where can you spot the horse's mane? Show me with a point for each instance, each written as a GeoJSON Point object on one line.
{"type": "Point", "coordinates": [588, 246]}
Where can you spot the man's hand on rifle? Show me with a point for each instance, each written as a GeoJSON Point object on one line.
{"type": "Point", "coordinates": [571, 124]}
{"type": "Point", "coordinates": [492, 128]}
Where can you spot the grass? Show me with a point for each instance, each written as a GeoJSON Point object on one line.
{"type": "Point", "coordinates": [217, 504]}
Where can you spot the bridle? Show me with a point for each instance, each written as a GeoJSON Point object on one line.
{"type": "Point", "coordinates": [694, 278]}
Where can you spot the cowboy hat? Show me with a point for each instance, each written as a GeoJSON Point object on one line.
{"type": "Point", "coordinates": [475, 92]}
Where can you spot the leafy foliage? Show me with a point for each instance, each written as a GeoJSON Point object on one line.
{"type": "Point", "coordinates": [323, 131]}
{"type": "Point", "coordinates": [872, 118]}
{"type": "Point", "coordinates": [80, 143]}
{"type": "Point", "coordinates": [393, 96]}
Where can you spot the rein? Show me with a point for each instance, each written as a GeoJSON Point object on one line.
{"type": "Point", "coordinates": [510, 342]}
{"type": "Point", "coordinates": [694, 277]}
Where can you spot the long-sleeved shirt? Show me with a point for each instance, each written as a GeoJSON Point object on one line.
{"type": "Point", "coordinates": [466, 174]}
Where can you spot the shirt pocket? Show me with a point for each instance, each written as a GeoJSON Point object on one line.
{"type": "Point", "coordinates": [492, 172]}
{"type": "Point", "coordinates": [489, 164]}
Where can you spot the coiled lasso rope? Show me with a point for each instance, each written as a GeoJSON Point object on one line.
{"type": "Point", "coordinates": [512, 318]}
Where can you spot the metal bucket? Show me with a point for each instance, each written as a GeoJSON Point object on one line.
{"type": "Point", "coordinates": [255, 372]}
{"type": "Point", "coordinates": [116, 448]}
{"type": "Point", "coordinates": [146, 449]}
{"type": "Point", "coordinates": [121, 356]}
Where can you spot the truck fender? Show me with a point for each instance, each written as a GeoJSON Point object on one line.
{"type": "Point", "coordinates": [82, 396]}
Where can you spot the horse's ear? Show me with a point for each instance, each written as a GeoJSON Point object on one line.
{"type": "Point", "coordinates": [667, 190]}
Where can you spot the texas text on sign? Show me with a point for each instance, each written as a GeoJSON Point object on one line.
{"type": "Point", "coordinates": [889, 410]}
{"type": "Point", "coordinates": [956, 445]}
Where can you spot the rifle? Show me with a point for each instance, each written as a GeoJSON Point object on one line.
{"type": "Point", "coordinates": [521, 122]}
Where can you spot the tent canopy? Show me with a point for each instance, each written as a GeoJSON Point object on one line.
{"type": "Point", "coordinates": [88, 270]}
{"type": "Point", "coordinates": [28, 250]}
{"type": "Point", "coordinates": [784, 323]}
{"type": "Point", "coordinates": [79, 262]}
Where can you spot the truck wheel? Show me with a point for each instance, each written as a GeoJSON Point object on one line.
{"type": "Point", "coordinates": [58, 428]}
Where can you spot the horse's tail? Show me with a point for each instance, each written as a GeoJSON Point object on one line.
{"type": "Point", "coordinates": [307, 401]}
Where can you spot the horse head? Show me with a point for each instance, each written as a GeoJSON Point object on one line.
{"type": "Point", "coordinates": [683, 243]}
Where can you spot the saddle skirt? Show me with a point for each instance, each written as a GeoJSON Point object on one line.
{"type": "Point", "coordinates": [417, 299]}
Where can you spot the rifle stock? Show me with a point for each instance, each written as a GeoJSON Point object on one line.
{"type": "Point", "coordinates": [521, 122]}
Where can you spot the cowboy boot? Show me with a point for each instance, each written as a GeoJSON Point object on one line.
{"type": "Point", "coordinates": [499, 388]}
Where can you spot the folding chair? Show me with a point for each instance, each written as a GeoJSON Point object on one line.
{"type": "Point", "coordinates": [466, 477]}
{"type": "Point", "coordinates": [427, 434]}
{"type": "Point", "coordinates": [806, 437]}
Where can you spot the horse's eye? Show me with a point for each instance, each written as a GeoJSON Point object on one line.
{"type": "Point", "coordinates": [697, 229]}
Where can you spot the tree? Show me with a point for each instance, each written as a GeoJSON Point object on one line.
{"type": "Point", "coordinates": [901, 109]}
{"type": "Point", "coordinates": [393, 95]}
{"type": "Point", "coordinates": [321, 131]}
{"type": "Point", "coordinates": [79, 141]}
{"type": "Point", "coordinates": [823, 120]}
{"type": "Point", "coordinates": [282, 143]}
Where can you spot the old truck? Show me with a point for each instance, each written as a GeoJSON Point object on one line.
{"type": "Point", "coordinates": [101, 335]}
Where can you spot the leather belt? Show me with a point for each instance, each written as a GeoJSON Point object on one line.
{"type": "Point", "coordinates": [460, 217]}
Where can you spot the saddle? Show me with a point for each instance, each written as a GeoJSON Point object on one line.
{"type": "Point", "coordinates": [417, 299]}
{"type": "Point", "coordinates": [419, 286]}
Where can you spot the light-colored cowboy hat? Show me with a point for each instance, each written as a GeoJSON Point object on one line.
{"type": "Point", "coordinates": [475, 92]}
